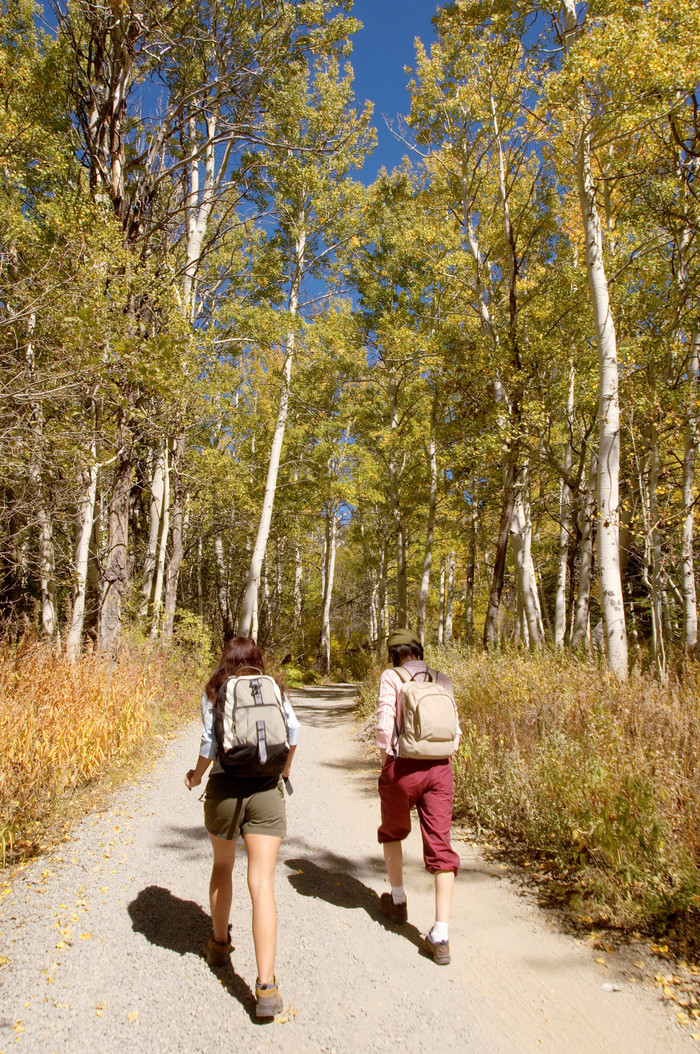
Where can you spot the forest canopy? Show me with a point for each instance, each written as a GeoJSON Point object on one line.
{"type": "Point", "coordinates": [243, 388]}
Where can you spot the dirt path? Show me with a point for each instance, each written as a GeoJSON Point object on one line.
{"type": "Point", "coordinates": [102, 937]}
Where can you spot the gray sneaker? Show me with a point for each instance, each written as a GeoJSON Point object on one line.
{"type": "Point", "coordinates": [268, 1000]}
{"type": "Point", "coordinates": [438, 951]}
{"type": "Point", "coordinates": [396, 912]}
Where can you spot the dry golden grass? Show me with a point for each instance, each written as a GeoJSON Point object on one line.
{"type": "Point", "coordinates": [63, 726]}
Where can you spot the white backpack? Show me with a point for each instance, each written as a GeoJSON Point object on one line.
{"type": "Point", "coordinates": [429, 726]}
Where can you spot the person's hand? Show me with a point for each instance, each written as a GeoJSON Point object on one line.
{"type": "Point", "coordinates": [192, 779]}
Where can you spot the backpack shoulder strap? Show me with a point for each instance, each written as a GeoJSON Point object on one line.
{"type": "Point", "coordinates": [404, 675]}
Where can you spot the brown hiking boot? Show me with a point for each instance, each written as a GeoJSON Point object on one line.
{"type": "Point", "coordinates": [216, 953]}
{"type": "Point", "coordinates": [438, 951]}
{"type": "Point", "coordinates": [396, 912]}
{"type": "Point", "coordinates": [268, 1000]}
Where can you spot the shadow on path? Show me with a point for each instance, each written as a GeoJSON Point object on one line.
{"type": "Point", "coordinates": [337, 886]}
{"type": "Point", "coordinates": [181, 926]}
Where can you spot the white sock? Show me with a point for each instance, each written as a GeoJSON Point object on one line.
{"type": "Point", "coordinates": [438, 932]}
{"type": "Point", "coordinates": [398, 895]}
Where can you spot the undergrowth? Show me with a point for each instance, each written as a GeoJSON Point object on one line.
{"type": "Point", "coordinates": [599, 780]}
{"type": "Point", "coordinates": [66, 728]}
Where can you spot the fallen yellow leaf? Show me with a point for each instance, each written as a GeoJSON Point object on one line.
{"type": "Point", "coordinates": [133, 1015]}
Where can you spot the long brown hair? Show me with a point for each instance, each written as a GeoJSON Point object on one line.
{"type": "Point", "coordinates": [240, 653]}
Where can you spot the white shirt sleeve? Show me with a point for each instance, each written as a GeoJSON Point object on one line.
{"type": "Point", "coordinates": [207, 745]}
{"type": "Point", "coordinates": [290, 717]}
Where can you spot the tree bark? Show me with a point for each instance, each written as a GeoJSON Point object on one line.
{"type": "Point", "coordinates": [86, 517]}
{"type": "Point", "coordinates": [298, 588]}
{"type": "Point", "coordinates": [580, 629]}
{"type": "Point", "coordinates": [449, 598]}
{"type": "Point", "coordinates": [690, 607]}
{"type": "Point", "coordinates": [115, 574]}
{"type": "Point", "coordinates": [177, 548]}
{"type": "Point", "coordinates": [521, 532]}
{"type": "Point", "coordinates": [331, 537]}
{"type": "Point", "coordinates": [610, 581]}
{"type": "Point", "coordinates": [162, 548]}
{"type": "Point", "coordinates": [247, 618]}
{"type": "Point", "coordinates": [499, 564]}
{"type": "Point", "coordinates": [560, 605]}
{"type": "Point", "coordinates": [156, 516]}
{"type": "Point", "coordinates": [471, 572]}
{"type": "Point", "coordinates": [430, 527]}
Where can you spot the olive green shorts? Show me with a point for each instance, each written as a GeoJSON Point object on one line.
{"type": "Point", "coordinates": [234, 806]}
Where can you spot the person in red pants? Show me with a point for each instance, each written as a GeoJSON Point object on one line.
{"type": "Point", "coordinates": [404, 782]}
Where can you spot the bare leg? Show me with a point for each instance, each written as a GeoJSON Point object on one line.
{"type": "Point", "coordinates": [444, 891]}
{"type": "Point", "coordinates": [262, 852]}
{"type": "Point", "coordinates": [221, 886]}
{"type": "Point", "coordinates": [393, 858]}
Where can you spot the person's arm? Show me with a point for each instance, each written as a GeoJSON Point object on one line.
{"type": "Point", "coordinates": [207, 746]}
{"type": "Point", "coordinates": [194, 776]}
{"type": "Point", "coordinates": [293, 727]}
{"type": "Point", "coordinates": [386, 713]}
{"type": "Point", "coordinates": [288, 767]}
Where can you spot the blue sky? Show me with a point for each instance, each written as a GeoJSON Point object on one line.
{"type": "Point", "coordinates": [380, 51]}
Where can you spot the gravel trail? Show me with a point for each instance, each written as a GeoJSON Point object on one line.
{"type": "Point", "coordinates": [102, 936]}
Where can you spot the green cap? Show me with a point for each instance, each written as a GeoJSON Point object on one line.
{"type": "Point", "coordinates": [402, 636]}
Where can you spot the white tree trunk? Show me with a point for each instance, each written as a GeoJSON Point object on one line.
{"type": "Point", "coordinates": [430, 527]}
{"type": "Point", "coordinates": [162, 549]}
{"type": "Point", "coordinates": [580, 631]}
{"type": "Point", "coordinates": [382, 600]}
{"type": "Point", "coordinates": [298, 587]}
{"type": "Point", "coordinates": [690, 607]}
{"type": "Point", "coordinates": [565, 525]}
{"type": "Point", "coordinates": [610, 582]}
{"type": "Point", "coordinates": [395, 465]}
{"type": "Point", "coordinates": [331, 538]}
{"type": "Point", "coordinates": [471, 570]}
{"type": "Point", "coordinates": [657, 590]}
{"type": "Point", "coordinates": [247, 620]}
{"type": "Point", "coordinates": [156, 515]}
{"type": "Point", "coordinates": [222, 587]}
{"type": "Point", "coordinates": [177, 547]}
{"type": "Point", "coordinates": [115, 572]}
{"type": "Point", "coordinates": [521, 536]}
{"type": "Point", "coordinates": [47, 578]}
{"type": "Point", "coordinates": [373, 607]}
{"type": "Point", "coordinates": [449, 597]}
{"type": "Point", "coordinates": [441, 609]}
{"type": "Point", "coordinates": [86, 516]}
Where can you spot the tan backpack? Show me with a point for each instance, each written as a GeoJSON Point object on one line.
{"type": "Point", "coordinates": [250, 726]}
{"type": "Point", "coordinates": [429, 725]}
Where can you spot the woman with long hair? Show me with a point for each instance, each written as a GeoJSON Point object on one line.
{"type": "Point", "coordinates": [249, 806]}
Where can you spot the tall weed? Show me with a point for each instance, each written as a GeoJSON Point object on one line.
{"type": "Point", "coordinates": [63, 725]}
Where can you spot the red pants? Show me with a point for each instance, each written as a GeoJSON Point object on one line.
{"type": "Point", "coordinates": [405, 782]}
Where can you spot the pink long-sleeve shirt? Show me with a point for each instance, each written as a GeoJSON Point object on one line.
{"type": "Point", "coordinates": [389, 713]}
